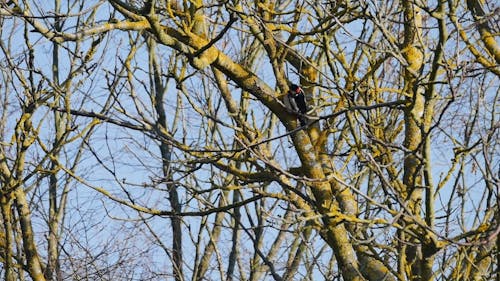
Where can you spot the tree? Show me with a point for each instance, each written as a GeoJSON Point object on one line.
{"type": "Point", "coordinates": [41, 148]}
{"type": "Point", "coordinates": [184, 124]}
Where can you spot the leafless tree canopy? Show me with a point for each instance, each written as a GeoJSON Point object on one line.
{"type": "Point", "coordinates": [151, 140]}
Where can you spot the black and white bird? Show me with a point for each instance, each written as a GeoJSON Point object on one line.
{"type": "Point", "coordinates": [298, 104]}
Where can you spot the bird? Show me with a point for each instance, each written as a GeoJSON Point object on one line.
{"type": "Point", "coordinates": [298, 103]}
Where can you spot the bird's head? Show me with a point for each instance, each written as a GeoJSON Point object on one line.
{"type": "Point", "coordinates": [294, 89]}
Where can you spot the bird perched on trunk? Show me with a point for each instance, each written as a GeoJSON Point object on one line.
{"type": "Point", "coordinates": [297, 102]}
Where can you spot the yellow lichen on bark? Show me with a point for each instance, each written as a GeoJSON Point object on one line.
{"type": "Point", "coordinates": [414, 57]}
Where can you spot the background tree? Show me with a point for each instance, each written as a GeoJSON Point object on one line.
{"type": "Point", "coordinates": [41, 149]}
{"type": "Point", "coordinates": [182, 123]}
